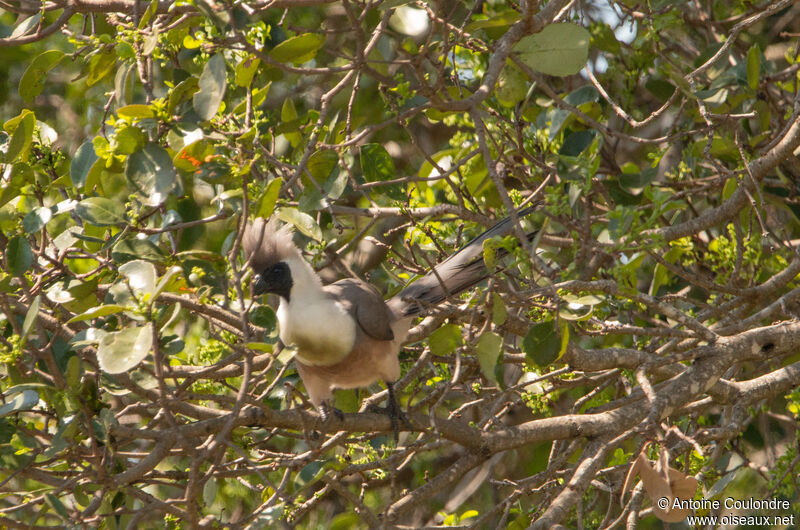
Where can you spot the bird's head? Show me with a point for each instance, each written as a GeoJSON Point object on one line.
{"type": "Point", "coordinates": [268, 248]}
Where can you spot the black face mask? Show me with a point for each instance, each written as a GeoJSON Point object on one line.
{"type": "Point", "coordinates": [276, 279]}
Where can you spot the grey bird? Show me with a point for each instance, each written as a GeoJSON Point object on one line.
{"type": "Point", "coordinates": [345, 334]}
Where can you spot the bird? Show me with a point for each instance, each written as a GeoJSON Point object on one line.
{"type": "Point", "coordinates": [345, 334]}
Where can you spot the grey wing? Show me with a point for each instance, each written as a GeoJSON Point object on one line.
{"type": "Point", "coordinates": [366, 305]}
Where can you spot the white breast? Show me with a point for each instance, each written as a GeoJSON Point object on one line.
{"type": "Point", "coordinates": [321, 330]}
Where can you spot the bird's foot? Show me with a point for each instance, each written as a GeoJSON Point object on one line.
{"type": "Point", "coordinates": [326, 411]}
{"type": "Point", "coordinates": [392, 409]}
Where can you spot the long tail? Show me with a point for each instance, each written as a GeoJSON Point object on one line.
{"type": "Point", "coordinates": [454, 275]}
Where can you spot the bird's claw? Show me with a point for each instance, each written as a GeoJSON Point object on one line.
{"type": "Point", "coordinates": [395, 413]}
{"type": "Point", "coordinates": [326, 410]}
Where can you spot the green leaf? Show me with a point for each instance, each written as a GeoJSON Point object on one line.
{"type": "Point", "coordinates": [731, 185]}
{"type": "Point", "coordinates": [270, 197]}
{"type": "Point", "coordinates": [660, 88]}
{"type": "Point", "coordinates": [264, 347]}
{"type": "Point", "coordinates": [490, 253]}
{"type": "Point", "coordinates": [100, 211]}
{"type": "Point", "coordinates": [130, 140]}
{"type": "Point", "coordinates": [136, 112]}
{"type": "Point", "coordinates": [21, 174]}
{"type": "Point", "coordinates": [634, 183]}
{"type": "Point", "coordinates": [24, 27]}
{"type": "Point", "coordinates": [36, 219]}
{"type": "Point", "coordinates": [259, 96]}
{"type": "Point", "coordinates": [302, 221]}
{"type": "Point", "coordinates": [152, 174]}
{"type": "Point", "coordinates": [97, 312]}
{"type": "Point", "coordinates": [489, 348]}
{"type": "Point", "coordinates": [543, 344]}
{"type": "Point", "coordinates": [21, 130]}
{"type": "Point", "coordinates": [24, 400]}
{"type": "Point", "coordinates": [376, 163]}
{"type": "Point", "coordinates": [575, 143]}
{"type": "Point", "coordinates": [82, 162]}
{"type": "Point", "coordinates": [212, 85]}
{"type": "Point", "coordinates": [603, 37]}
{"type": "Point", "coordinates": [335, 185]}
{"type": "Point", "coordinates": [141, 277]}
{"type": "Point", "coordinates": [445, 339]}
{"type": "Point", "coordinates": [290, 122]}
{"type": "Point", "coordinates": [754, 66]}
{"type": "Point", "coordinates": [321, 164]}
{"type": "Point", "coordinates": [210, 491]}
{"type": "Point", "coordinates": [119, 351]}
{"type": "Point", "coordinates": [19, 256]}
{"type": "Point", "coordinates": [31, 315]}
{"type": "Point", "coordinates": [100, 65]}
{"type": "Point", "coordinates": [720, 485]}
{"type": "Point", "coordinates": [299, 49]}
{"type": "Point", "coordinates": [148, 14]}
{"type": "Point", "coordinates": [182, 91]}
{"type": "Point", "coordinates": [559, 49]}
{"type": "Point", "coordinates": [57, 506]}
{"type": "Point", "coordinates": [502, 20]}
{"type": "Point", "coordinates": [499, 313]}
{"type": "Point", "coordinates": [133, 248]}
{"type": "Point", "coordinates": [512, 85]}
{"type": "Point", "coordinates": [166, 280]}
{"type": "Point", "coordinates": [32, 81]}
{"type": "Point", "coordinates": [124, 81]}
{"type": "Point", "coordinates": [245, 71]}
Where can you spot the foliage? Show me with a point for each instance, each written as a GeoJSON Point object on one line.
{"type": "Point", "coordinates": [143, 385]}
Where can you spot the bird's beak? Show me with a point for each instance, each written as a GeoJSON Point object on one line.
{"type": "Point", "coordinates": [259, 285]}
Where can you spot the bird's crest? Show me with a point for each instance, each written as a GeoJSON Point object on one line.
{"type": "Point", "coordinates": [267, 242]}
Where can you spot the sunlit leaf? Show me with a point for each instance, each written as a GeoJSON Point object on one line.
{"type": "Point", "coordinates": [269, 198]}
{"type": "Point", "coordinates": [152, 174]}
{"type": "Point", "coordinates": [141, 276]}
{"type": "Point", "coordinates": [36, 219]}
{"type": "Point", "coordinates": [31, 316]}
{"type": "Point", "coordinates": [302, 221]}
{"type": "Point", "coordinates": [100, 211]}
{"type": "Point", "coordinates": [97, 312]}
{"type": "Point", "coordinates": [559, 49]}
{"type": "Point", "coordinates": [512, 86]}
{"type": "Point", "coordinates": [24, 400]}
{"type": "Point", "coordinates": [212, 86]}
{"type": "Point", "coordinates": [754, 66]}
{"type": "Point", "coordinates": [299, 49]}
{"type": "Point", "coordinates": [245, 71]}
{"type": "Point", "coordinates": [24, 27]}
{"type": "Point", "coordinates": [321, 164]}
{"type": "Point", "coordinates": [489, 348]}
{"type": "Point", "coordinates": [119, 351]}
{"type": "Point", "coordinates": [445, 339]}
{"type": "Point", "coordinates": [32, 81]}
{"type": "Point", "coordinates": [137, 112]}
{"type": "Point", "coordinates": [21, 129]}
{"type": "Point", "coordinates": [100, 65]}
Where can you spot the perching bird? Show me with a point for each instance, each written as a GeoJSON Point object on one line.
{"type": "Point", "coordinates": [345, 334]}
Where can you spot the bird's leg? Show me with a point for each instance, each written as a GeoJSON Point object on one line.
{"type": "Point", "coordinates": [393, 410]}
{"type": "Point", "coordinates": [326, 409]}
{"type": "Point", "coordinates": [396, 415]}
